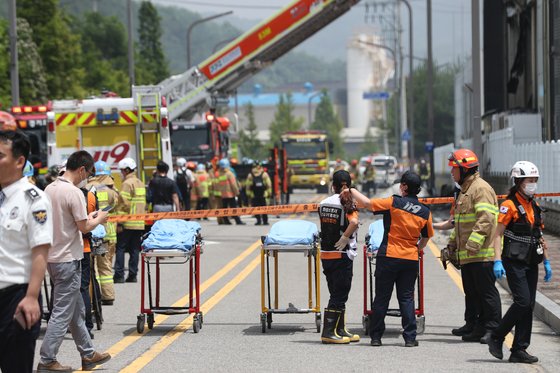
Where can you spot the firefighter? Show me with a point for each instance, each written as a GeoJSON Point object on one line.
{"type": "Point", "coordinates": [103, 185]}
{"type": "Point", "coordinates": [201, 189]}
{"type": "Point", "coordinates": [354, 172]}
{"type": "Point", "coordinates": [369, 179]}
{"type": "Point", "coordinates": [215, 196]}
{"type": "Point", "coordinates": [259, 189]}
{"type": "Point", "coordinates": [129, 233]}
{"type": "Point", "coordinates": [520, 224]}
{"type": "Point", "coordinates": [339, 225]}
{"type": "Point", "coordinates": [424, 171]}
{"type": "Point", "coordinates": [407, 227]}
{"type": "Point", "coordinates": [228, 188]}
{"type": "Point", "coordinates": [475, 216]}
{"type": "Point", "coordinates": [338, 165]}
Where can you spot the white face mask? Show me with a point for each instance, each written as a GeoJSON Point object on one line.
{"type": "Point", "coordinates": [82, 184]}
{"type": "Point", "coordinates": [530, 188]}
{"type": "Point", "coordinates": [457, 185]}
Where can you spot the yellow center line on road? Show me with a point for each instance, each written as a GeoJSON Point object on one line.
{"type": "Point", "coordinates": [129, 339]}
{"type": "Point", "coordinates": [180, 329]}
{"type": "Point", "coordinates": [454, 274]}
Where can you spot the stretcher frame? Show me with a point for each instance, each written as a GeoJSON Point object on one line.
{"type": "Point", "coordinates": [169, 257]}
{"type": "Point", "coordinates": [313, 254]}
{"type": "Point", "coordinates": [369, 261]}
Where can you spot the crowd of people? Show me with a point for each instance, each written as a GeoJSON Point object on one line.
{"type": "Point", "coordinates": [487, 241]}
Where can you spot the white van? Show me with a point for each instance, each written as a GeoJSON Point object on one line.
{"type": "Point", "coordinates": [385, 170]}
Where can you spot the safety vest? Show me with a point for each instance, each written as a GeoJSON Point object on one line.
{"type": "Point", "coordinates": [133, 193]}
{"type": "Point", "coordinates": [107, 197]}
{"type": "Point", "coordinates": [202, 184]}
{"type": "Point", "coordinates": [227, 185]}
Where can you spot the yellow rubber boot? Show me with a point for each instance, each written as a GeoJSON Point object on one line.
{"type": "Point", "coordinates": [329, 335]}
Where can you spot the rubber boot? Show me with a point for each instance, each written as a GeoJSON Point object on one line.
{"type": "Point", "coordinates": [329, 335]}
{"type": "Point", "coordinates": [342, 331]}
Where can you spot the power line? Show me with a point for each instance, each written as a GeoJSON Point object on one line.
{"type": "Point", "coordinates": [219, 5]}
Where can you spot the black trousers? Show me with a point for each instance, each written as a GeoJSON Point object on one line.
{"type": "Point", "coordinates": [388, 273]}
{"type": "Point", "coordinates": [479, 284]}
{"type": "Point", "coordinates": [17, 345]}
{"type": "Point", "coordinates": [260, 201]}
{"type": "Point", "coordinates": [338, 273]}
{"type": "Point", "coordinates": [202, 203]}
{"type": "Point", "coordinates": [368, 185]}
{"type": "Point", "coordinates": [522, 280]}
{"type": "Point", "coordinates": [473, 313]}
{"type": "Point", "coordinates": [230, 203]}
{"type": "Point", "coordinates": [128, 240]}
{"type": "Point", "coordinates": [84, 288]}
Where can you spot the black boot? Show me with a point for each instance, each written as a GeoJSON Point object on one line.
{"type": "Point", "coordinates": [341, 328]}
{"type": "Point", "coordinates": [521, 356]}
{"type": "Point", "coordinates": [329, 334]}
{"type": "Point", "coordinates": [474, 336]}
{"type": "Point", "coordinates": [465, 329]}
{"type": "Point", "coordinates": [495, 347]}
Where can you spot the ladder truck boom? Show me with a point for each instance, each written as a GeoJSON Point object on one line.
{"type": "Point", "coordinates": [216, 78]}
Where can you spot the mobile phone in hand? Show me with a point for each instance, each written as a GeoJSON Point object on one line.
{"type": "Point", "coordinates": [107, 208]}
{"type": "Point", "coordinates": [20, 318]}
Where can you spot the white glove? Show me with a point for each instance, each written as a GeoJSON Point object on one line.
{"type": "Point", "coordinates": [341, 243]}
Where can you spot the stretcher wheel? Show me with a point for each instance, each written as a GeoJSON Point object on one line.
{"type": "Point", "coordinates": [196, 324]}
{"type": "Point", "coordinates": [151, 321]}
{"type": "Point", "coordinates": [141, 319]}
{"type": "Point", "coordinates": [263, 322]}
{"type": "Point", "coordinates": [365, 324]}
{"type": "Point", "coordinates": [420, 324]}
{"type": "Point", "coordinates": [318, 322]}
{"type": "Point", "coordinates": [201, 319]}
{"type": "Point", "coordinates": [269, 320]}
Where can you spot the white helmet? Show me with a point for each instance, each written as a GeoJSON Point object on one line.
{"type": "Point", "coordinates": [181, 162]}
{"type": "Point", "coordinates": [127, 163]}
{"type": "Point", "coordinates": [524, 169]}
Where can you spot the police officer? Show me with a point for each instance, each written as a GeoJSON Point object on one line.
{"type": "Point", "coordinates": [162, 191]}
{"type": "Point", "coordinates": [407, 227]}
{"type": "Point", "coordinates": [129, 234]}
{"type": "Point", "coordinates": [26, 232]}
{"type": "Point", "coordinates": [103, 185]}
{"type": "Point", "coordinates": [259, 189]}
{"type": "Point", "coordinates": [520, 224]}
{"type": "Point", "coordinates": [475, 216]}
{"type": "Point", "coordinates": [339, 224]}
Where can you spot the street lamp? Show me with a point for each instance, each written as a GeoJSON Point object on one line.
{"type": "Point", "coordinates": [222, 43]}
{"type": "Point", "coordinates": [193, 25]}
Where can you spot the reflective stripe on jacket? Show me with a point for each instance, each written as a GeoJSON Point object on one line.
{"type": "Point", "coordinates": [227, 184]}
{"type": "Point", "coordinates": [133, 198]}
{"type": "Point", "coordinates": [476, 214]}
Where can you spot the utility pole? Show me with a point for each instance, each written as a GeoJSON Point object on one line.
{"type": "Point", "coordinates": [476, 105]}
{"type": "Point", "coordinates": [430, 92]}
{"type": "Point", "coordinates": [410, 102]}
{"type": "Point", "coordinates": [130, 45]}
{"type": "Point", "coordinates": [193, 25]}
{"type": "Point", "coordinates": [14, 70]}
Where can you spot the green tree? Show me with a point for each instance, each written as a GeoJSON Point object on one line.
{"type": "Point", "coordinates": [152, 66]}
{"type": "Point", "coordinates": [284, 119]}
{"type": "Point", "coordinates": [32, 77]}
{"type": "Point", "coordinates": [327, 120]}
{"type": "Point", "coordinates": [249, 144]}
{"type": "Point", "coordinates": [59, 47]}
{"type": "Point", "coordinates": [5, 93]}
{"type": "Point", "coordinates": [104, 42]}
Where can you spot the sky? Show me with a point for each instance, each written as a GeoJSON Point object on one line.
{"type": "Point", "coordinates": [451, 24]}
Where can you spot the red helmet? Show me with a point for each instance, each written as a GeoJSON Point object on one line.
{"type": "Point", "coordinates": [354, 162]}
{"type": "Point", "coordinates": [463, 158]}
{"type": "Point", "coordinates": [191, 165]}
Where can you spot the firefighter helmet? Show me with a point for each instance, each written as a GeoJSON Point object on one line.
{"type": "Point", "coordinates": [181, 162]}
{"type": "Point", "coordinates": [464, 158]}
{"type": "Point", "coordinates": [223, 163]}
{"type": "Point", "coordinates": [102, 168]}
{"type": "Point", "coordinates": [524, 169]}
{"type": "Point", "coordinates": [354, 162]}
{"type": "Point", "coordinates": [127, 163]}
{"type": "Point", "coordinates": [201, 167]}
{"type": "Point", "coordinates": [191, 165]}
{"type": "Point", "coordinates": [28, 169]}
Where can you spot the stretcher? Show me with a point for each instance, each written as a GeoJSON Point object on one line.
{"type": "Point", "coordinates": [373, 240]}
{"type": "Point", "coordinates": [170, 241]}
{"type": "Point", "coordinates": [290, 236]}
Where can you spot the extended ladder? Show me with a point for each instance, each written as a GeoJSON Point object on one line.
{"type": "Point", "coordinates": [148, 106]}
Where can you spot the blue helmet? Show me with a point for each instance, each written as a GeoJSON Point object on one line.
{"type": "Point", "coordinates": [102, 168]}
{"type": "Point", "coordinates": [28, 169]}
{"type": "Point", "coordinates": [223, 163]}
{"type": "Point", "coordinates": [201, 167]}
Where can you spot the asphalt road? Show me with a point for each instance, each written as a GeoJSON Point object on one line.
{"type": "Point", "coordinates": [231, 339]}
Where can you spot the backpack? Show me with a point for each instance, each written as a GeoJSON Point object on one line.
{"type": "Point", "coordinates": [258, 186]}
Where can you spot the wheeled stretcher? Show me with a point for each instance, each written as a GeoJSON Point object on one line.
{"type": "Point", "coordinates": [170, 241]}
{"type": "Point", "coordinates": [290, 236]}
{"type": "Point", "coordinates": [374, 238]}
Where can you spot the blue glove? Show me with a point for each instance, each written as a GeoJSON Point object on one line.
{"type": "Point", "coordinates": [547, 271]}
{"type": "Point", "coordinates": [499, 270]}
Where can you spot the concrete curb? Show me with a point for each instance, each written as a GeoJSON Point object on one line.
{"type": "Point", "coordinates": [545, 309]}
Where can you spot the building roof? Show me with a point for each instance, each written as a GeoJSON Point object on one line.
{"type": "Point", "coordinates": [272, 99]}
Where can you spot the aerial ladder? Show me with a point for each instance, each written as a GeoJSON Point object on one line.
{"type": "Point", "coordinates": [209, 84]}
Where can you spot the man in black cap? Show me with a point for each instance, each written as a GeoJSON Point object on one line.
{"type": "Point", "coordinates": [407, 226]}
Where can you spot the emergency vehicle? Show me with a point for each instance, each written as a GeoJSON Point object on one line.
{"type": "Point", "coordinates": [307, 155]}
{"type": "Point", "coordinates": [32, 120]}
{"type": "Point", "coordinates": [112, 129]}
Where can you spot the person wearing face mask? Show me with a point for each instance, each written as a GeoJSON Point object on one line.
{"type": "Point", "coordinates": [475, 216]}
{"type": "Point", "coordinates": [71, 220]}
{"type": "Point", "coordinates": [407, 227]}
{"type": "Point", "coordinates": [520, 226]}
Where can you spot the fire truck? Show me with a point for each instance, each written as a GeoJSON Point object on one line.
{"type": "Point", "coordinates": [307, 155]}
{"type": "Point", "coordinates": [32, 120]}
{"type": "Point", "coordinates": [111, 129]}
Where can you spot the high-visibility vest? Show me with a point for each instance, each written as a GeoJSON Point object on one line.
{"type": "Point", "coordinates": [107, 197]}
{"type": "Point", "coordinates": [133, 193]}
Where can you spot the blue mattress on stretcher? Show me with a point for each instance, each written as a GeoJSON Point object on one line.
{"type": "Point", "coordinates": [375, 233]}
{"type": "Point", "coordinates": [292, 232]}
{"type": "Point", "coordinates": [172, 234]}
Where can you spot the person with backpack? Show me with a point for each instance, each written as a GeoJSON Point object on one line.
{"type": "Point", "coordinates": [185, 180]}
{"type": "Point", "coordinates": [259, 188]}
